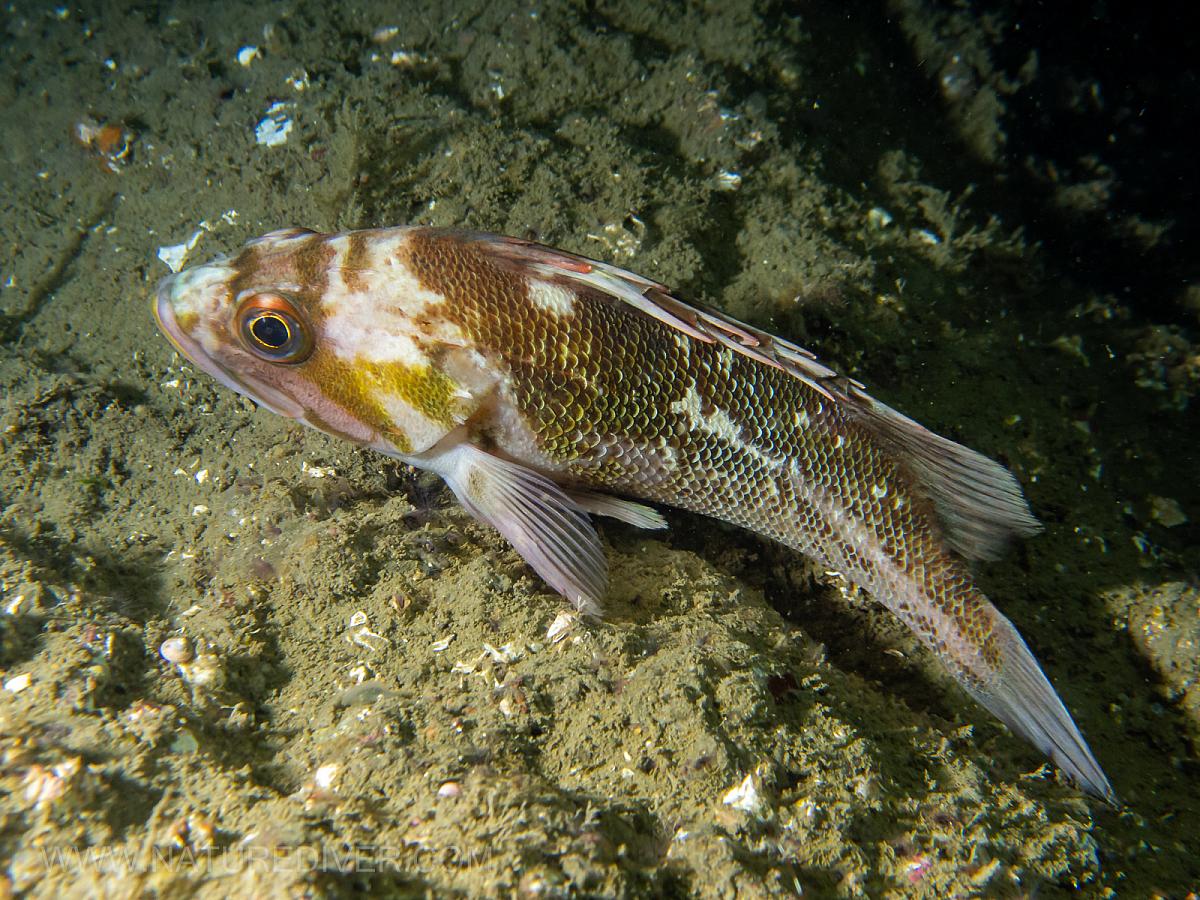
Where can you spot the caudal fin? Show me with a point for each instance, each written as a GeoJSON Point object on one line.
{"type": "Point", "coordinates": [1021, 696]}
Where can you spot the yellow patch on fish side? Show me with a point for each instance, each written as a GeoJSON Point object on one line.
{"type": "Point", "coordinates": [411, 406]}
{"type": "Point", "coordinates": [426, 389]}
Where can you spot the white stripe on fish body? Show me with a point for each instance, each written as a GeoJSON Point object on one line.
{"type": "Point", "coordinates": [372, 336]}
{"type": "Point", "coordinates": [551, 298]}
{"type": "Point", "coordinates": [720, 425]}
{"type": "Point", "coordinates": [383, 269]}
{"type": "Point", "coordinates": [420, 431]}
{"type": "Point", "coordinates": [372, 311]}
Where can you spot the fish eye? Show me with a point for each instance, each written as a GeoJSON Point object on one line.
{"type": "Point", "coordinates": [271, 328]}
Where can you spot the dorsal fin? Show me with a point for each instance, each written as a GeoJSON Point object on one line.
{"type": "Point", "coordinates": [656, 300]}
{"type": "Point", "coordinates": [979, 502]}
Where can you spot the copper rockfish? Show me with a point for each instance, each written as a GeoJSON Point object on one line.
{"type": "Point", "coordinates": [544, 387]}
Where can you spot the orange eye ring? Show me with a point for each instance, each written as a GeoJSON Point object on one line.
{"type": "Point", "coordinates": [271, 328]}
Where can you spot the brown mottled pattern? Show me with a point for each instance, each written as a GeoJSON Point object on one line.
{"type": "Point", "coordinates": [308, 265]}
{"type": "Point", "coordinates": [352, 385]}
{"type": "Point", "coordinates": [596, 388]}
{"type": "Point", "coordinates": [355, 261]}
{"type": "Point", "coordinates": [246, 267]}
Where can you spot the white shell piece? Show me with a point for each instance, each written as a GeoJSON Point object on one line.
{"type": "Point", "coordinates": [324, 776]}
{"type": "Point", "coordinates": [273, 129]}
{"type": "Point", "coordinates": [18, 683]}
{"type": "Point", "coordinates": [560, 627]}
{"type": "Point", "coordinates": [744, 797]}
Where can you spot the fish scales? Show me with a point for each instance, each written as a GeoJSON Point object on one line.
{"type": "Point", "coordinates": [545, 387]}
{"type": "Point", "coordinates": [738, 452]}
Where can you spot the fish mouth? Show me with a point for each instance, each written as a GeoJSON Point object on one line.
{"type": "Point", "coordinates": [247, 385]}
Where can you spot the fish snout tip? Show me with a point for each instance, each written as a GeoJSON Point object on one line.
{"type": "Point", "coordinates": [164, 311]}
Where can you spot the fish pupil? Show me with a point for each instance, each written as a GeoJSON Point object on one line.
{"type": "Point", "coordinates": [271, 331]}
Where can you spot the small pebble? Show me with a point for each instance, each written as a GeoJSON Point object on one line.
{"type": "Point", "coordinates": [177, 650]}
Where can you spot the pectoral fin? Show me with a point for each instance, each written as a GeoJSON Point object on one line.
{"type": "Point", "coordinates": [550, 531]}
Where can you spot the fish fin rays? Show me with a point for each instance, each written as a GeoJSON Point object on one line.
{"type": "Point", "coordinates": [979, 502]}
{"type": "Point", "coordinates": [1021, 696]}
{"type": "Point", "coordinates": [636, 514]}
{"type": "Point", "coordinates": [550, 531]}
{"type": "Point", "coordinates": [655, 300]}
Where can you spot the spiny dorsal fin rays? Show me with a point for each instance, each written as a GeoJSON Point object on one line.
{"type": "Point", "coordinates": [656, 300]}
{"type": "Point", "coordinates": [979, 502]}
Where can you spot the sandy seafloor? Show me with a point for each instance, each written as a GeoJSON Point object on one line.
{"type": "Point", "coordinates": [372, 697]}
